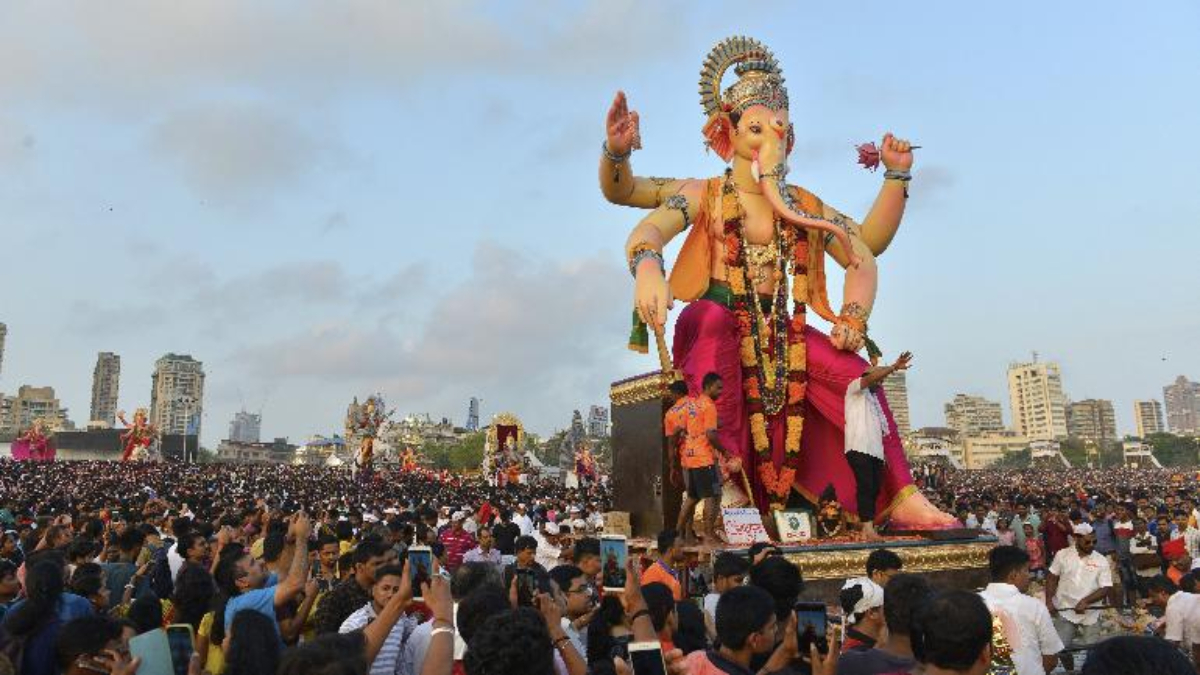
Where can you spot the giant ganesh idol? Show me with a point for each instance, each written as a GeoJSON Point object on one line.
{"type": "Point", "coordinates": [750, 269]}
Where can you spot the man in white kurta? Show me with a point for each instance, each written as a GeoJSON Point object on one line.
{"type": "Point", "coordinates": [1027, 623]}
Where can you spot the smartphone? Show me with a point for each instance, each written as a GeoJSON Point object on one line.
{"type": "Point", "coordinates": [646, 658]}
{"type": "Point", "coordinates": [155, 652]}
{"type": "Point", "coordinates": [526, 587]}
{"type": "Point", "coordinates": [811, 626]}
{"type": "Point", "coordinates": [614, 552]}
{"type": "Point", "coordinates": [621, 647]}
{"type": "Point", "coordinates": [181, 641]}
{"type": "Point", "coordinates": [420, 568]}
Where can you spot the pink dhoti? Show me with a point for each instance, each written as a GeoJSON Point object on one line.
{"type": "Point", "coordinates": [706, 341]}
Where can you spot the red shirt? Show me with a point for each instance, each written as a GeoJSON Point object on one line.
{"type": "Point", "coordinates": [1056, 536]}
{"type": "Point", "coordinates": [457, 544]}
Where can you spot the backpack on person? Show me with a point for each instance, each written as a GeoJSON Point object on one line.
{"type": "Point", "coordinates": [161, 581]}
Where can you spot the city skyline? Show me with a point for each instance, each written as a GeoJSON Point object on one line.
{"type": "Point", "coordinates": [955, 402]}
{"type": "Point", "coordinates": [376, 203]}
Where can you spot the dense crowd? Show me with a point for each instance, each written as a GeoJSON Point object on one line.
{"type": "Point", "coordinates": [299, 570]}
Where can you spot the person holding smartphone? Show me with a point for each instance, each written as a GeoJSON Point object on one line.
{"type": "Point", "coordinates": [94, 645]}
{"type": "Point", "coordinates": [390, 582]}
{"type": "Point", "coordinates": [746, 627]}
{"type": "Point", "coordinates": [244, 580]}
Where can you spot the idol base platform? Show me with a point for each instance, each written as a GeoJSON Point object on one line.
{"type": "Point", "coordinates": [826, 565]}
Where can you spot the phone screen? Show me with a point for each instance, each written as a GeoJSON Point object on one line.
{"type": "Point", "coordinates": [811, 626]}
{"type": "Point", "coordinates": [526, 587]}
{"type": "Point", "coordinates": [613, 554]}
{"type": "Point", "coordinates": [420, 565]}
{"type": "Point", "coordinates": [647, 661]}
{"type": "Point", "coordinates": [179, 640]}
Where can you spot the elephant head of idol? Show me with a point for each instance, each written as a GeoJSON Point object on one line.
{"type": "Point", "coordinates": [748, 123]}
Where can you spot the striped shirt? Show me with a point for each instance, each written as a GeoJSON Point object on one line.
{"type": "Point", "coordinates": [387, 662]}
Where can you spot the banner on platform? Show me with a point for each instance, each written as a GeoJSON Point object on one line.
{"type": "Point", "coordinates": [794, 526]}
{"type": "Point", "coordinates": [744, 526]}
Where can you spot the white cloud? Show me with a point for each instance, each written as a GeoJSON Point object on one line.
{"type": "Point", "coordinates": [529, 335]}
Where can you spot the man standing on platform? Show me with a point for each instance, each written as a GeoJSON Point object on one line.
{"type": "Point", "coordinates": [693, 420]}
{"type": "Point", "coordinates": [866, 425]}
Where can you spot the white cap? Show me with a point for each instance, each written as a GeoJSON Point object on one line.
{"type": "Point", "coordinates": [551, 528]}
{"type": "Point", "coordinates": [458, 515]}
{"type": "Point", "coordinates": [872, 596]}
{"type": "Point", "coordinates": [1083, 529]}
{"type": "Point", "coordinates": [370, 518]}
{"type": "Point", "coordinates": [578, 524]}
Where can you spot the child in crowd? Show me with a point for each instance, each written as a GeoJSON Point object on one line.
{"type": "Point", "coordinates": [1036, 551]}
{"type": "Point", "coordinates": [1004, 533]}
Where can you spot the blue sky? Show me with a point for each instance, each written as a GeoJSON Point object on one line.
{"type": "Point", "coordinates": [322, 200]}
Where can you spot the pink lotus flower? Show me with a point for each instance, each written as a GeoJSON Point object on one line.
{"type": "Point", "coordinates": [868, 155]}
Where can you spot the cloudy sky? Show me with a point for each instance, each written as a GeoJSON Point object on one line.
{"type": "Point", "coordinates": [321, 200]}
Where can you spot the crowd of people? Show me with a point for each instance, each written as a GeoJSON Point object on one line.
{"type": "Point", "coordinates": [299, 570]}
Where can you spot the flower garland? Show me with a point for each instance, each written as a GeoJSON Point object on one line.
{"type": "Point", "coordinates": [772, 351]}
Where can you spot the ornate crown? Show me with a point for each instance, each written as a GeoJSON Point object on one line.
{"type": "Point", "coordinates": [760, 79]}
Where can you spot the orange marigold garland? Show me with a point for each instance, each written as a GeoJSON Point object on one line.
{"type": "Point", "coordinates": [772, 349]}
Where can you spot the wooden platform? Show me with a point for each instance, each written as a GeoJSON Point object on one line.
{"type": "Point", "coordinates": [825, 565]}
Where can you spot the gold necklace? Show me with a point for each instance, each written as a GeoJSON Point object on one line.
{"type": "Point", "coordinates": [761, 259]}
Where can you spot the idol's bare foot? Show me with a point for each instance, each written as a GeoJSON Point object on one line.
{"type": "Point", "coordinates": [917, 513]}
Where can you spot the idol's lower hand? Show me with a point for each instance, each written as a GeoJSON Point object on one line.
{"type": "Point", "coordinates": [734, 465]}
{"type": "Point", "coordinates": [846, 338]}
{"type": "Point", "coordinates": [652, 297]}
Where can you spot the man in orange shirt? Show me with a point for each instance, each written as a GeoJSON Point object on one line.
{"type": "Point", "coordinates": [692, 424]}
{"type": "Point", "coordinates": [669, 565]}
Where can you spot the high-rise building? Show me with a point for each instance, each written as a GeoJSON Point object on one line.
{"type": "Point", "coordinates": [177, 394]}
{"type": "Point", "coordinates": [472, 415]}
{"type": "Point", "coordinates": [1039, 407]}
{"type": "Point", "coordinates": [1092, 420]}
{"type": "Point", "coordinates": [597, 423]}
{"type": "Point", "coordinates": [973, 416]}
{"type": "Point", "coordinates": [895, 388]}
{"type": "Point", "coordinates": [245, 427]}
{"type": "Point", "coordinates": [3, 335]}
{"type": "Point", "coordinates": [1182, 399]}
{"type": "Point", "coordinates": [106, 379]}
{"type": "Point", "coordinates": [33, 403]}
{"type": "Point", "coordinates": [1148, 416]}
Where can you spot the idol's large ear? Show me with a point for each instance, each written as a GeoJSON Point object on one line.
{"type": "Point", "coordinates": [717, 135]}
